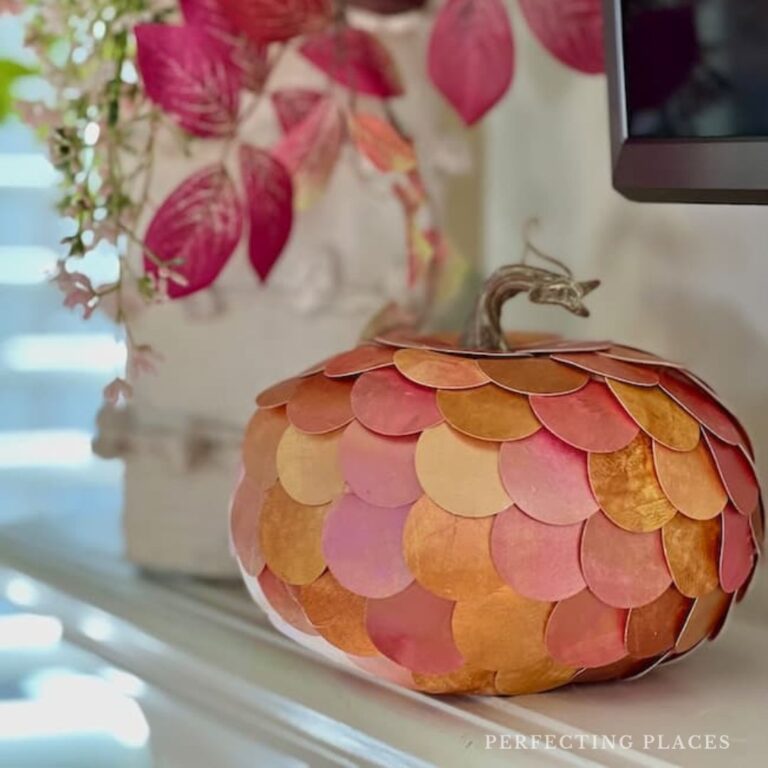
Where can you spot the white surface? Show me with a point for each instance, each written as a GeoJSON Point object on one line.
{"type": "Point", "coordinates": [208, 649]}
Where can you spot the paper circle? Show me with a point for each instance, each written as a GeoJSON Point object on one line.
{"type": "Point", "coordinates": [534, 375]}
{"type": "Point", "coordinates": [438, 370]}
{"type": "Point", "coordinates": [692, 549]}
{"type": "Point", "coordinates": [320, 405]}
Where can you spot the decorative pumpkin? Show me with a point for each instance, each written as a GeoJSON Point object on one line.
{"type": "Point", "coordinates": [500, 514]}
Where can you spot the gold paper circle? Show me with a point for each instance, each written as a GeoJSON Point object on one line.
{"type": "Point", "coordinates": [625, 485]}
{"type": "Point", "coordinates": [502, 630]}
{"type": "Point", "coordinates": [308, 466]}
{"type": "Point", "coordinates": [657, 414]}
{"type": "Point", "coordinates": [692, 549]}
{"type": "Point", "coordinates": [337, 614]}
{"type": "Point", "coordinates": [706, 616]}
{"type": "Point", "coordinates": [448, 554]}
{"type": "Point", "coordinates": [439, 371]}
{"type": "Point", "coordinates": [488, 413]}
{"type": "Point", "coordinates": [467, 680]}
{"type": "Point", "coordinates": [534, 375]}
{"type": "Point", "coordinates": [459, 473]}
{"type": "Point", "coordinates": [544, 675]}
{"type": "Point", "coordinates": [262, 436]}
{"type": "Point", "coordinates": [290, 535]}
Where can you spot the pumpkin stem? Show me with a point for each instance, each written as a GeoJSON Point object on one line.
{"type": "Point", "coordinates": [543, 286]}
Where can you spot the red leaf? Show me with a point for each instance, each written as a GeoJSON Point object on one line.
{"type": "Point", "coordinates": [310, 151]}
{"type": "Point", "coordinates": [267, 21]}
{"type": "Point", "coordinates": [472, 55]}
{"type": "Point", "coordinates": [186, 73]}
{"type": "Point", "coordinates": [388, 7]}
{"type": "Point", "coordinates": [247, 57]}
{"type": "Point", "coordinates": [356, 59]}
{"type": "Point", "coordinates": [571, 30]}
{"type": "Point", "coordinates": [269, 194]}
{"type": "Point", "coordinates": [292, 105]}
{"type": "Point", "coordinates": [195, 231]}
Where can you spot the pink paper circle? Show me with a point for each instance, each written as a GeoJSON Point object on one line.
{"type": "Point", "coordinates": [363, 547]}
{"type": "Point", "coordinates": [584, 632]}
{"type": "Point", "coordinates": [623, 569]}
{"type": "Point", "coordinates": [737, 474]}
{"type": "Point", "coordinates": [589, 419]}
{"type": "Point", "coordinates": [413, 629]}
{"type": "Point", "coordinates": [737, 551]}
{"type": "Point", "coordinates": [380, 470]}
{"type": "Point", "coordinates": [388, 403]}
{"type": "Point", "coordinates": [537, 560]}
{"type": "Point", "coordinates": [547, 479]}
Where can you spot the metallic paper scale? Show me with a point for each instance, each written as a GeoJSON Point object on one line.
{"type": "Point", "coordinates": [701, 405]}
{"type": "Point", "coordinates": [632, 355]}
{"type": "Point", "coordinates": [362, 545]}
{"type": "Point", "coordinates": [413, 628]}
{"type": "Point", "coordinates": [723, 620]}
{"type": "Point", "coordinates": [537, 560]}
{"type": "Point", "coordinates": [737, 555]}
{"type": "Point", "coordinates": [502, 630]}
{"type": "Point", "coordinates": [658, 415]}
{"type": "Point", "coordinates": [387, 403]}
{"type": "Point", "coordinates": [449, 555]}
{"type": "Point", "coordinates": [653, 629]}
{"type": "Point", "coordinates": [380, 470]}
{"type": "Point", "coordinates": [488, 413]}
{"type": "Point", "coordinates": [547, 479]}
{"type": "Point", "coordinates": [381, 667]}
{"type": "Point", "coordinates": [585, 632]}
{"type": "Point", "coordinates": [282, 599]}
{"type": "Point", "coordinates": [625, 485]}
{"type": "Point", "coordinates": [690, 480]}
{"type": "Point", "coordinates": [589, 419]}
{"type": "Point", "coordinates": [290, 536]}
{"type": "Point", "coordinates": [534, 376]}
{"type": "Point", "coordinates": [439, 371]}
{"type": "Point", "coordinates": [624, 669]}
{"type": "Point", "coordinates": [262, 436]}
{"type": "Point", "coordinates": [466, 680]}
{"type": "Point", "coordinates": [611, 368]}
{"type": "Point", "coordinates": [308, 466]}
{"type": "Point", "coordinates": [705, 616]}
{"type": "Point", "coordinates": [320, 405]}
{"type": "Point", "coordinates": [757, 523]}
{"type": "Point", "coordinates": [278, 394]}
{"type": "Point", "coordinates": [737, 474]}
{"type": "Point", "coordinates": [337, 614]}
{"type": "Point", "coordinates": [544, 675]}
{"type": "Point", "coordinates": [359, 360]}
{"type": "Point", "coordinates": [562, 346]}
{"type": "Point", "coordinates": [244, 525]}
{"type": "Point", "coordinates": [692, 549]}
{"type": "Point", "coordinates": [459, 473]}
{"type": "Point", "coordinates": [623, 569]}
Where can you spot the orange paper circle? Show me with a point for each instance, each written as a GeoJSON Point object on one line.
{"type": "Point", "coordinates": [690, 480]}
{"type": "Point", "coordinates": [359, 360]}
{"type": "Point", "coordinates": [244, 525]}
{"type": "Point", "coordinates": [278, 394]}
{"type": "Point", "coordinates": [488, 413]}
{"type": "Point", "coordinates": [545, 675]}
{"type": "Point", "coordinates": [706, 616]}
{"type": "Point", "coordinates": [658, 415]}
{"type": "Point", "coordinates": [449, 555]}
{"type": "Point", "coordinates": [291, 537]}
{"type": "Point", "coordinates": [502, 630]}
{"type": "Point", "coordinates": [653, 629]}
{"type": "Point", "coordinates": [438, 370]}
{"type": "Point", "coordinates": [467, 680]}
{"type": "Point", "coordinates": [262, 436]}
{"type": "Point", "coordinates": [320, 405]}
{"type": "Point", "coordinates": [692, 549]}
{"type": "Point", "coordinates": [625, 485]}
{"type": "Point", "coordinates": [308, 466]}
{"type": "Point", "coordinates": [611, 368]}
{"type": "Point", "coordinates": [459, 473]}
{"type": "Point", "coordinates": [534, 375]}
{"type": "Point", "coordinates": [337, 614]}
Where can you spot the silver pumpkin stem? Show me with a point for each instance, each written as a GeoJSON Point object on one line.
{"type": "Point", "coordinates": [543, 286]}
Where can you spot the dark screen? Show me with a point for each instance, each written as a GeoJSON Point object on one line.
{"type": "Point", "coordinates": [696, 68]}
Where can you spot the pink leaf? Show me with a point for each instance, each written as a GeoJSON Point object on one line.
{"type": "Point", "coordinates": [269, 193]}
{"type": "Point", "coordinates": [571, 30]}
{"type": "Point", "coordinates": [292, 105]}
{"type": "Point", "coordinates": [472, 55]}
{"type": "Point", "coordinates": [248, 58]}
{"type": "Point", "coordinates": [356, 59]}
{"type": "Point", "coordinates": [267, 21]}
{"type": "Point", "coordinates": [310, 151]}
{"type": "Point", "coordinates": [187, 74]}
{"type": "Point", "coordinates": [194, 232]}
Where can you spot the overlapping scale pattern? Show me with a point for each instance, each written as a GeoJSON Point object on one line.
{"type": "Point", "coordinates": [465, 522]}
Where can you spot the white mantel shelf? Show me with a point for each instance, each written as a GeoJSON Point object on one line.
{"type": "Point", "coordinates": [209, 647]}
